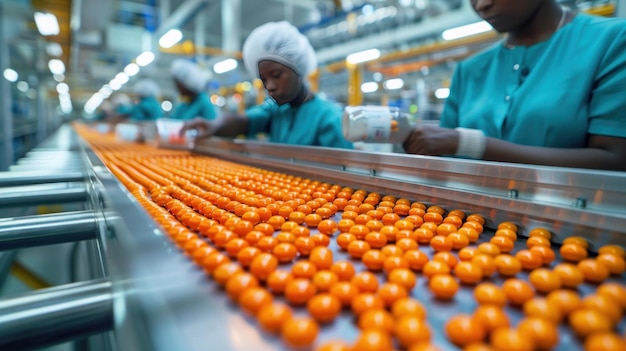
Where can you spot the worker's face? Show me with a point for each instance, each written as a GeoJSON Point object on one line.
{"type": "Point", "coordinates": [280, 81]}
{"type": "Point", "coordinates": [183, 89]}
{"type": "Point", "coordinates": [506, 15]}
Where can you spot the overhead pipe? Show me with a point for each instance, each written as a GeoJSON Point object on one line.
{"type": "Point", "coordinates": [49, 229]}
{"type": "Point", "coordinates": [24, 197]}
{"type": "Point", "coordinates": [31, 178]}
{"type": "Point", "coordinates": [55, 315]}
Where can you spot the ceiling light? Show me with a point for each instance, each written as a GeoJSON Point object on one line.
{"type": "Point", "coordinates": [166, 105]}
{"type": "Point", "coordinates": [10, 75]}
{"type": "Point", "coordinates": [131, 69]}
{"type": "Point", "coordinates": [225, 66]}
{"type": "Point", "coordinates": [145, 58]}
{"type": "Point", "coordinates": [56, 66]}
{"type": "Point", "coordinates": [363, 56]}
{"type": "Point", "coordinates": [122, 78]}
{"type": "Point", "coordinates": [170, 38]}
{"type": "Point", "coordinates": [392, 84]}
{"type": "Point", "coordinates": [58, 77]}
{"type": "Point", "coordinates": [442, 93]}
{"type": "Point", "coordinates": [47, 23]}
{"type": "Point", "coordinates": [466, 31]}
{"type": "Point", "coordinates": [369, 87]}
{"type": "Point", "coordinates": [63, 88]}
{"type": "Point", "coordinates": [54, 49]}
{"type": "Point", "coordinates": [22, 86]}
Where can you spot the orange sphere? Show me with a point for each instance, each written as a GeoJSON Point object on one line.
{"type": "Point", "coordinates": [299, 331]}
{"type": "Point", "coordinates": [463, 330]}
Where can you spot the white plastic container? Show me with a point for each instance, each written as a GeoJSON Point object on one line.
{"type": "Point", "coordinates": [127, 132]}
{"type": "Point", "coordinates": [376, 124]}
{"type": "Point", "coordinates": [168, 134]}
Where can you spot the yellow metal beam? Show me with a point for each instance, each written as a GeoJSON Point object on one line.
{"type": "Point", "coordinates": [27, 277]}
{"type": "Point", "coordinates": [355, 95]}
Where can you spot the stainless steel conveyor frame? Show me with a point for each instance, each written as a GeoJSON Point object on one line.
{"type": "Point", "coordinates": [153, 298]}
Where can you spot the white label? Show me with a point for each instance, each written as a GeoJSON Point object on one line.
{"type": "Point", "coordinates": [378, 127]}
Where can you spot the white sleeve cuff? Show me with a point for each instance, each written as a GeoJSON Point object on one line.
{"type": "Point", "coordinates": [472, 143]}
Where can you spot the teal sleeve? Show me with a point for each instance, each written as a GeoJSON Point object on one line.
{"type": "Point", "coordinates": [607, 107]}
{"type": "Point", "coordinates": [258, 118]}
{"type": "Point", "coordinates": [450, 115]}
{"type": "Point", "coordinates": [330, 133]}
{"type": "Point", "coordinates": [207, 109]}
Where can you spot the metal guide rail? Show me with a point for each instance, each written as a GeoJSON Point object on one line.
{"type": "Point", "coordinates": [587, 203]}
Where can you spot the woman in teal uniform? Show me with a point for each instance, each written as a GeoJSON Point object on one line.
{"type": "Point", "coordinates": [282, 57]}
{"type": "Point", "coordinates": [552, 93]}
{"type": "Point", "coordinates": [147, 107]}
{"type": "Point", "coordinates": [191, 83]}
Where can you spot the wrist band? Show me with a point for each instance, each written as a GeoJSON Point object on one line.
{"type": "Point", "coordinates": [472, 143]}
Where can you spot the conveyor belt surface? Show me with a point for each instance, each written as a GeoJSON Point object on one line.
{"type": "Point", "coordinates": [201, 203]}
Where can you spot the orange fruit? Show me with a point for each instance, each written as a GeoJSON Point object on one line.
{"type": "Point", "coordinates": [605, 341]}
{"type": "Point", "coordinates": [517, 291]}
{"type": "Point", "coordinates": [299, 291]}
{"type": "Point", "coordinates": [491, 317]}
{"type": "Point", "coordinates": [546, 253]}
{"type": "Point", "coordinates": [324, 308]}
{"type": "Point", "coordinates": [542, 332]}
{"type": "Point", "coordinates": [463, 329]}
{"type": "Point", "coordinates": [365, 302]}
{"type": "Point", "coordinates": [486, 263]}
{"type": "Point", "coordinates": [411, 330]}
{"type": "Point", "coordinates": [593, 271]}
{"type": "Point", "coordinates": [507, 265]}
{"type": "Point", "coordinates": [373, 340]}
{"type": "Point", "coordinates": [277, 281]}
{"type": "Point", "coordinates": [540, 232]}
{"type": "Point", "coordinates": [376, 319]}
{"type": "Point", "coordinates": [391, 292]}
{"type": "Point", "coordinates": [408, 307]}
{"type": "Point", "coordinates": [443, 286]}
{"type": "Point", "coordinates": [544, 280]}
{"type": "Point", "coordinates": [541, 307]}
{"type": "Point", "coordinates": [588, 321]}
{"type": "Point", "coordinates": [613, 249]}
{"type": "Point", "coordinates": [253, 299]}
{"type": "Point", "coordinates": [606, 305]}
{"type": "Point", "coordinates": [271, 317]}
{"type": "Point", "coordinates": [489, 294]}
{"type": "Point", "coordinates": [569, 275]}
{"type": "Point", "coordinates": [508, 339]}
{"type": "Point", "coordinates": [615, 291]}
{"type": "Point", "coordinates": [529, 259]}
{"type": "Point", "coordinates": [573, 252]}
{"type": "Point", "coordinates": [324, 279]}
{"type": "Point", "coordinates": [299, 331]}
{"type": "Point", "coordinates": [344, 291]}
{"type": "Point", "coordinates": [566, 300]}
{"type": "Point", "coordinates": [615, 263]}
{"type": "Point", "coordinates": [468, 272]}
{"type": "Point", "coordinates": [576, 240]}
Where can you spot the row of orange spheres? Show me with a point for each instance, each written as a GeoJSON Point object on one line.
{"type": "Point", "coordinates": [181, 232]}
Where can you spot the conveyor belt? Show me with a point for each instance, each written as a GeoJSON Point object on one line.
{"type": "Point", "coordinates": [163, 300]}
{"type": "Point", "coordinates": [176, 306]}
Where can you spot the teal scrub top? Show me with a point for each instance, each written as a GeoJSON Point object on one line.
{"type": "Point", "coordinates": [550, 94]}
{"type": "Point", "coordinates": [201, 107]}
{"type": "Point", "coordinates": [147, 109]}
{"type": "Point", "coordinates": [316, 122]}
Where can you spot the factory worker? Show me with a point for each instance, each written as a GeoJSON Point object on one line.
{"type": "Point", "coordinates": [279, 55]}
{"type": "Point", "coordinates": [553, 92]}
{"type": "Point", "coordinates": [147, 107]}
{"type": "Point", "coordinates": [191, 82]}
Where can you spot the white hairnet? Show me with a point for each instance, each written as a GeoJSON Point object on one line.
{"type": "Point", "coordinates": [279, 42]}
{"type": "Point", "coordinates": [121, 99]}
{"type": "Point", "coordinates": [189, 75]}
{"type": "Point", "coordinates": [146, 88]}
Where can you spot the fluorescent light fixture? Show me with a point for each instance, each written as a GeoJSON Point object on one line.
{"type": "Point", "coordinates": [393, 84]}
{"type": "Point", "coordinates": [54, 49]}
{"type": "Point", "coordinates": [47, 23]}
{"type": "Point", "coordinates": [22, 86]}
{"type": "Point", "coordinates": [170, 38]}
{"type": "Point", "coordinates": [131, 69]}
{"type": "Point", "coordinates": [466, 31]}
{"type": "Point", "coordinates": [369, 87]}
{"type": "Point", "coordinates": [58, 77]}
{"type": "Point", "coordinates": [115, 85]}
{"type": "Point", "coordinates": [363, 56]}
{"type": "Point", "coordinates": [66, 103]}
{"type": "Point", "coordinates": [122, 78]}
{"type": "Point", "coordinates": [106, 91]}
{"type": "Point", "coordinates": [166, 105]}
{"type": "Point", "coordinates": [94, 101]}
{"type": "Point", "coordinates": [145, 58]}
{"type": "Point", "coordinates": [225, 66]}
{"type": "Point", "coordinates": [63, 88]}
{"type": "Point", "coordinates": [56, 66]}
{"type": "Point", "coordinates": [10, 75]}
{"type": "Point", "coordinates": [442, 93]}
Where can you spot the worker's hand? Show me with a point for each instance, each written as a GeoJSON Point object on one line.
{"type": "Point", "coordinates": [203, 127]}
{"type": "Point", "coordinates": [432, 140]}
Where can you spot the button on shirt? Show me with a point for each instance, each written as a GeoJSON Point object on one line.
{"type": "Point", "coordinates": [549, 94]}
